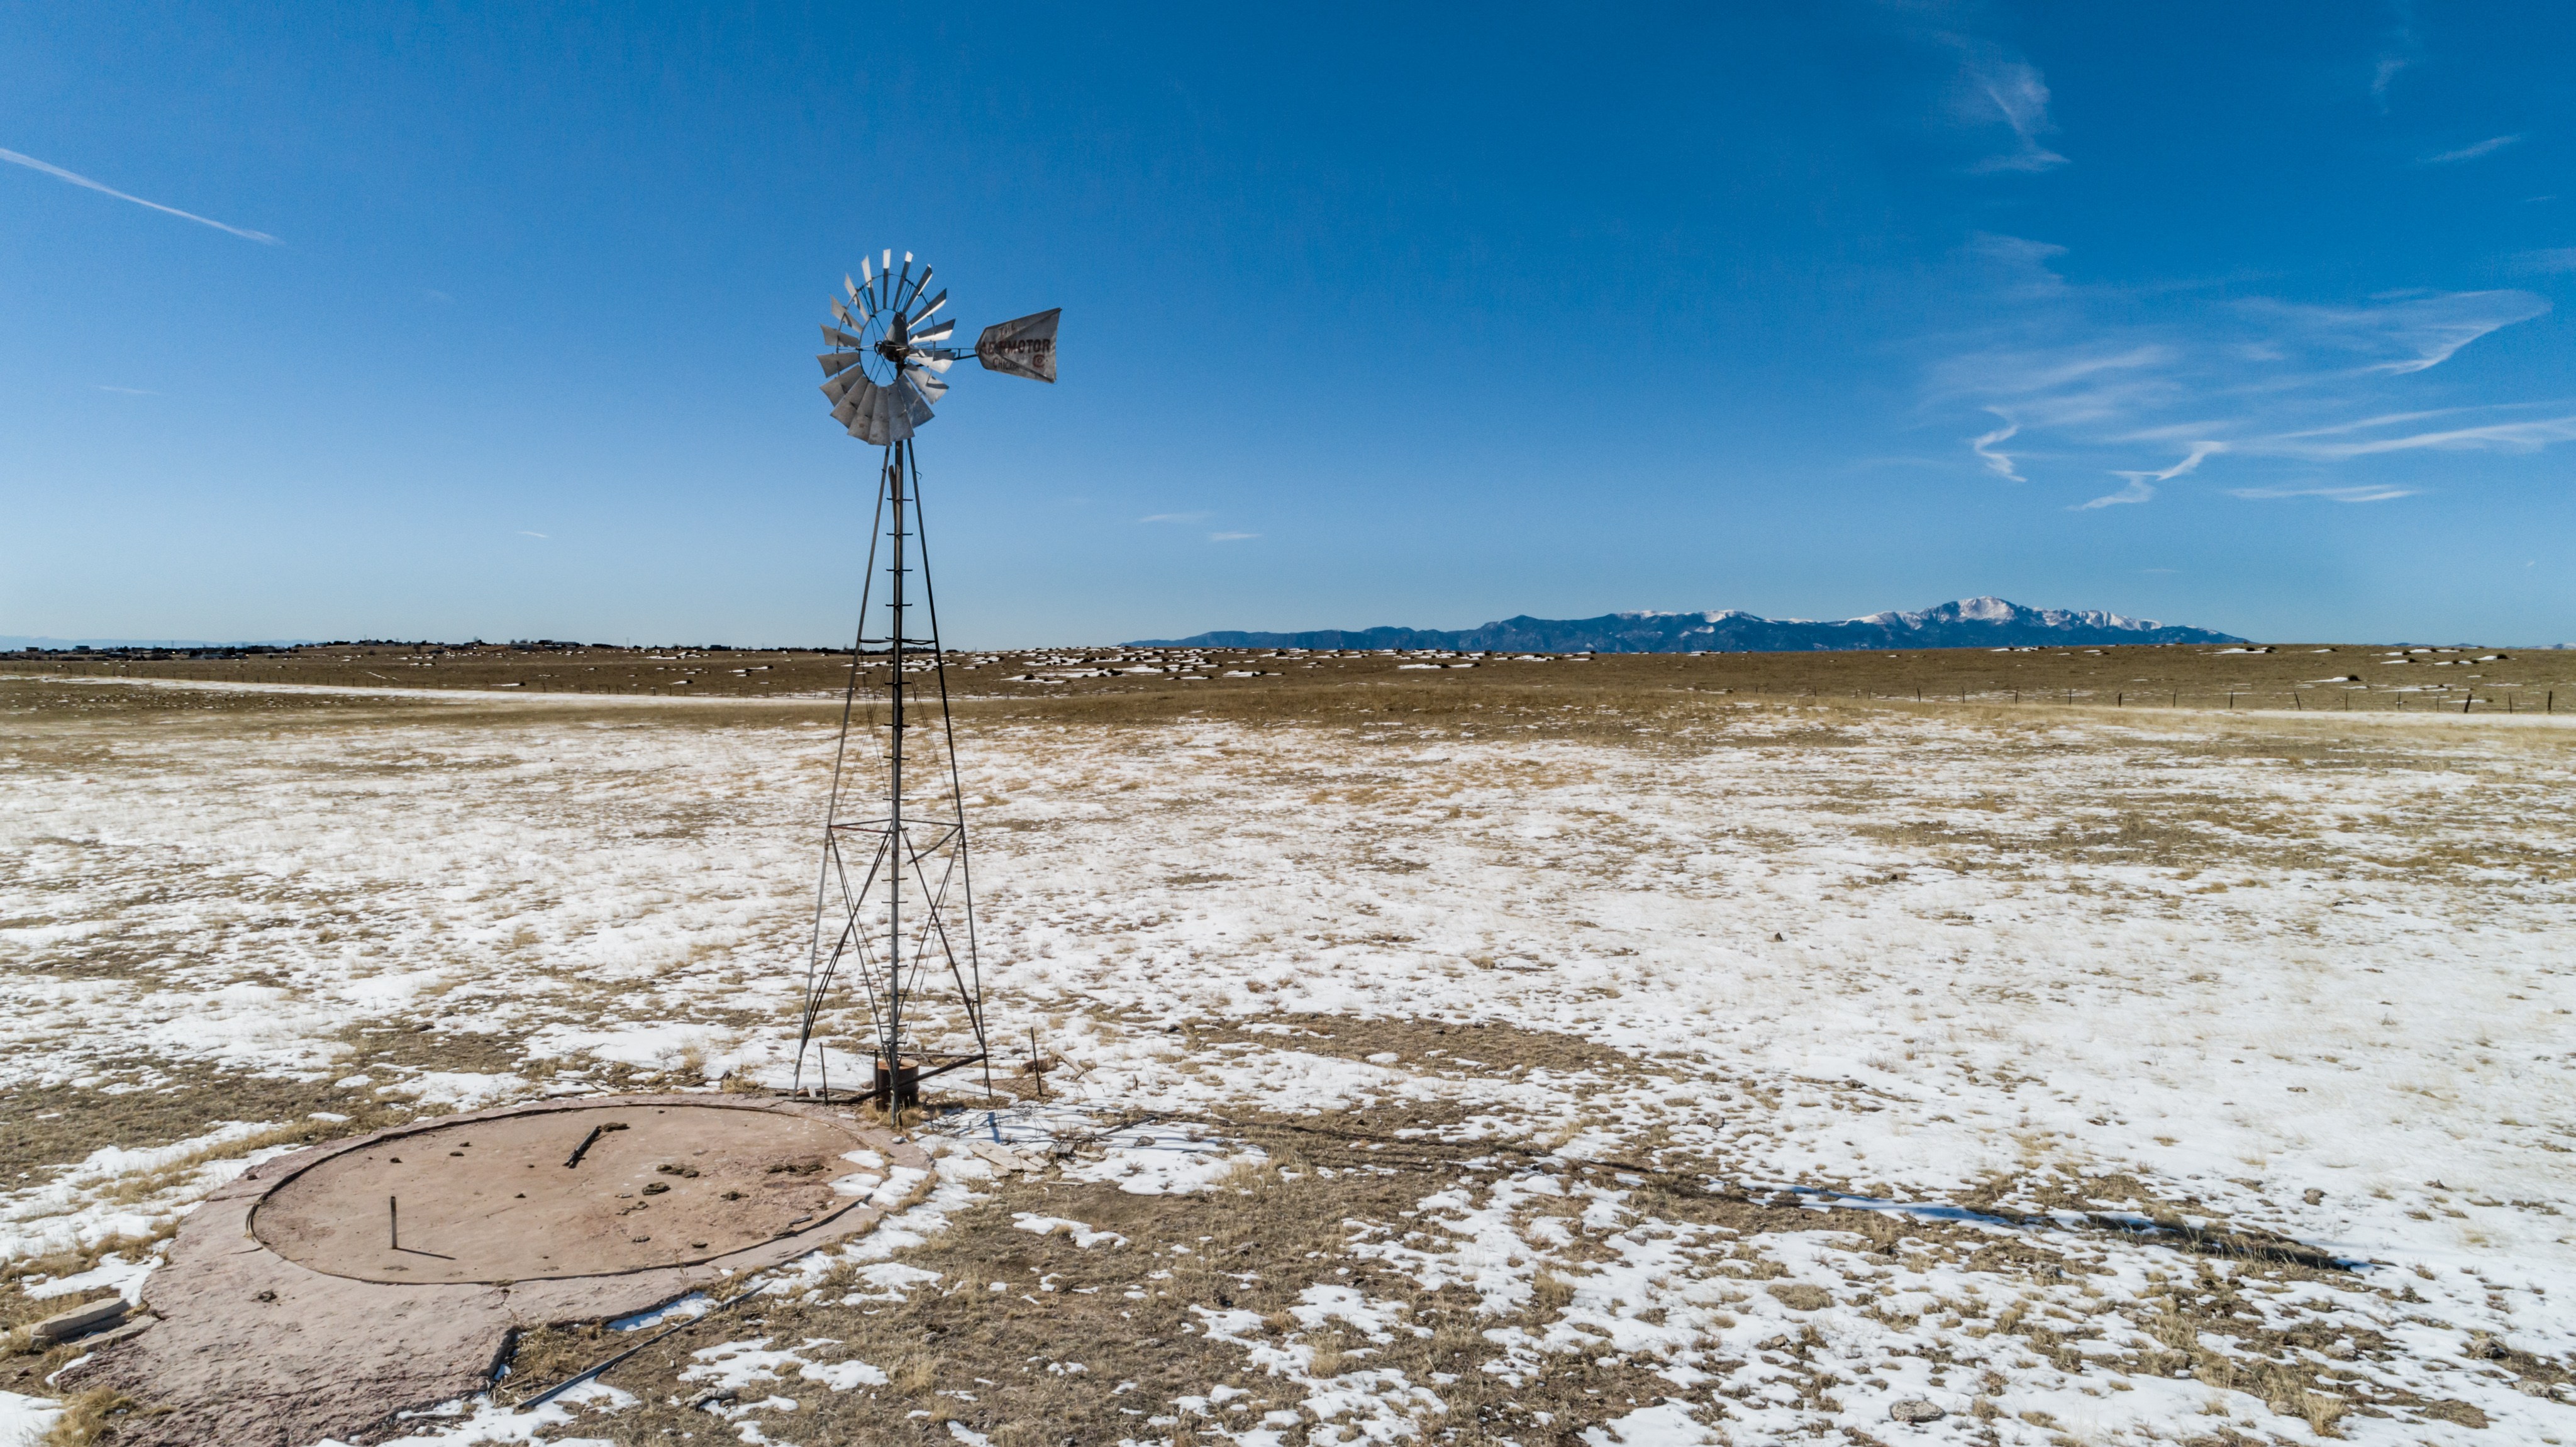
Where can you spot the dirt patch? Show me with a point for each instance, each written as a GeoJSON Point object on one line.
{"type": "Point", "coordinates": [1034, 1338]}
{"type": "Point", "coordinates": [56, 1126]}
{"type": "Point", "coordinates": [1465, 1046]}
{"type": "Point", "coordinates": [1198, 1310]}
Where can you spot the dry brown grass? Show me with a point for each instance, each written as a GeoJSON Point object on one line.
{"type": "Point", "coordinates": [1254, 1244]}
{"type": "Point", "coordinates": [88, 1419]}
{"type": "Point", "coordinates": [1292, 1221]}
{"type": "Point", "coordinates": [1293, 1232]}
{"type": "Point", "coordinates": [2142, 679]}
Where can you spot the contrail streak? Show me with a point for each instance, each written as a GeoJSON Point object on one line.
{"type": "Point", "coordinates": [32, 164]}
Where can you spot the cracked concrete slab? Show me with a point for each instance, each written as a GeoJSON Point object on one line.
{"type": "Point", "coordinates": [281, 1324]}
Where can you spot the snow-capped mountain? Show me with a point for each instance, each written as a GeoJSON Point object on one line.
{"type": "Point", "coordinates": [1967, 623]}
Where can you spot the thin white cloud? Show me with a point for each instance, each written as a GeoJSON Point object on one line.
{"type": "Point", "coordinates": [2088, 375]}
{"type": "Point", "coordinates": [2055, 388]}
{"type": "Point", "coordinates": [2336, 494]}
{"type": "Point", "coordinates": [2345, 429]}
{"type": "Point", "coordinates": [2138, 490]}
{"type": "Point", "coordinates": [127, 391]}
{"type": "Point", "coordinates": [2015, 91]}
{"type": "Point", "coordinates": [57, 172]}
{"type": "Point", "coordinates": [1176, 517]}
{"type": "Point", "coordinates": [1230, 537]}
{"type": "Point", "coordinates": [2385, 72]}
{"type": "Point", "coordinates": [2142, 485]}
{"type": "Point", "coordinates": [2425, 328]}
{"type": "Point", "coordinates": [2399, 52]}
{"type": "Point", "coordinates": [523, 532]}
{"type": "Point", "coordinates": [2556, 258]}
{"type": "Point", "coordinates": [2494, 437]}
{"type": "Point", "coordinates": [2487, 147]}
{"type": "Point", "coordinates": [1998, 463]}
{"type": "Point", "coordinates": [2019, 264]}
{"type": "Point", "coordinates": [2437, 327]}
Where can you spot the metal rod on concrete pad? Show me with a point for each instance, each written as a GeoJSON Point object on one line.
{"type": "Point", "coordinates": [577, 1378]}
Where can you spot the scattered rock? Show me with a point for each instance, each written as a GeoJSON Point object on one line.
{"type": "Point", "coordinates": [2315, 1197]}
{"type": "Point", "coordinates": [80, 1320]}
{"type": "Point", "coordinates": [1914, 1412]}
{"type": "Point", "coordinates": [1003, 1156]}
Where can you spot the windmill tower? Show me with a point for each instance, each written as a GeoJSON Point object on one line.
{"type": "Point", "coordinates": [894, 908]}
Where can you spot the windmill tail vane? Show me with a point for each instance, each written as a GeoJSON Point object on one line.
{"type": "Point", "coordinates": [894, 905]}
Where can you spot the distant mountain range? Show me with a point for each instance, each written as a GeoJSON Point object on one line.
{"type": "Point", "coordinates": [1968, 623]}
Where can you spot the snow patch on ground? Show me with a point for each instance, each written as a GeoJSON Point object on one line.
{"type": "Point", "coordinates": [2297, 977]}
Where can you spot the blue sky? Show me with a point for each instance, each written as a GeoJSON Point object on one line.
{"type": "Point", "coordinates": [450, 321]}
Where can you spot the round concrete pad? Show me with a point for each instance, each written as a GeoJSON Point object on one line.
{"type": "Point", "coordinates": [257, 1348]}
{"type": "Point", "coordinates": [494, 1200]}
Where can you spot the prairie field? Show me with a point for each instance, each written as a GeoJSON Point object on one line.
{"type": "Point", "coordinates": [2298, 677]}
{"type": "Point", "coordinates": [1888, 1049]}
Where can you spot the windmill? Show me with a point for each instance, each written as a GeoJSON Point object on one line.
{"type": "Point", "coordinates": [895, 904]}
